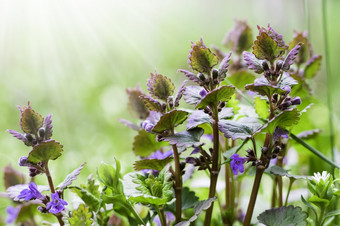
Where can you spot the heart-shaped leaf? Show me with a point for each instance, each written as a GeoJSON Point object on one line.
{"type": "Point", "coordinates": [170, 120]}
{"type": "Point", "coordinates": [160, 86]}
{"type": "Point", "coordinates": [192, 94]}
{"type": "Point", "coordinates": [152, 164]}
{"type": "Point", "coordinates": [45, 151]}
{"type": "Point", "coordinates": [222, 93]}
{"type": "Point", "coordinates": [261, 107]}
{"type": "Point", "coordinates": [305, 51]}
{"type": "Point", "coordinates": [186, 138]}
{"type": "Point", "coordinates": [81, 216]}
{"type": "Point", "coordinates": [71, 177]}
{"type": "Point", "coordinates": [241, 78]}
{"type": "Point", "coordinates": [30, 121]}
{"type": "Point", "coordinates": [136, 105]}
{"type": "Point", "coordinates": [283, 216]}
{"type": "Point", "coordinates": [145, 143]}
{"type": "Point", "coordinates": [241, 129]}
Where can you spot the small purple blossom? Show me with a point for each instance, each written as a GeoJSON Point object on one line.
{"type": "Point", "coordinates": [160, 155]}
{"type": "Point", "coordinates": [151, 121]}
{"type": "Point", "coordinates": [203, 93]}
{"type": "Point", "coordinates": [287, 89]}
{"type": "Point", "coordinates": [279, 133]}
{"type": "Point", "coordinates": [169, 218]}
{"type": "Point", "coordinates": [296, 101]}
{"type": "Point", "coordinates": [237, 163]}
{"type": "Point", "coordinates": [56, 205]}
{"type": "Point", "coordinates": [12, 214]}
{"type": "Point", "coordinates": [31, 193]}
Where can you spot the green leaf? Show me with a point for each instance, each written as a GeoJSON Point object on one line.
{"type": "Point", "coordinates": [189, 199]}
{"type": "Point", "coordinates": [201, 58]}
{"type": "Point", "coordinates": [198, 209]}
{"type": "Point", "coordinates": [153, 164]}
{"type": "Point", "coordinates": [45, 151]}
{"type": "Point", "coordinates": [312, 67]}
{"type": "Point", "coordinates": [151, 104]}
{"type": "Point", "coordinates": [192, 94]}
{"type": "Point", "coordinates": [264, 88]}
{"type": "Point", "coordinates": [283, 120]}
{"type": "Point", "coordinates": [305, 50]}
{"type": "Point", "coordinates": [233, 103]}
{"type": "Point", "coordinates": [323, 203]}
{"type": "Point", "coordinates": [170, 120]}
{"type": "Point", "coordinates": [12, 177]}
{"type": "Point", "coordinates": [30, 121]}
{"type": "Point", "coordinates": [70, 178]}
{"type": "Point", "coordinates": [309, 205]}
{"type": "Point", "coordinates": [333, 213]}
{"type": "Point", "coordinates": [241, 78]}
{"type": "Point", "coordinates": [222, 93]}
{"type": "Point", "coordinates": [109, 175]}
{"type": "Point", "coordinates": [186, 138]}
{"type": "Point", "coordinates": [266, 48]}
{"type": "Point", "coordinates": [197, 118]}
{"type": "Point", "coordinates": [160, 86]}
{"type": "Point", "coordinates": [276, 170]}
{"type": "Point", "coordinates": [261, 107]}
{"type": "Point", "coordinates": [15, 190]}
{"type": "Point", "coordinates": [81, 216]}
{"type": "Point", "coordinates": [283, 216]}
{"type": "Point", "coordinates": [145, 143]}
{"type": "Point", "coordinates": [241, 129]}
{"type": "Point", "coordinates": [27, 210]}
{"type": "Point", "coordinates": [89, 199]}
{"type": "Point", "coordinates": [227, 154]}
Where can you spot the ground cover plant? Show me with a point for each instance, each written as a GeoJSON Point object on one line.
{"type": "Point", "coordinates": [233, 117]}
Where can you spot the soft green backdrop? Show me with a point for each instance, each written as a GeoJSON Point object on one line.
{"type": "Point", "coordinates": [75, 59]}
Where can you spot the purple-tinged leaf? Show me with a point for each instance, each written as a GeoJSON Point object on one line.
{"type": "Point", "coordinates": [186, 138]}
{"type": "Point", "coordinates": [130, 124]}
{"type": "Point", "coordinates": [20, 136]}
{"type": "Point", "coordinates": [306, 49]}
{"type": "Point", "coordinates": [239, 38]}
{"type": "Point", "coordinates": [219, 53]}
{"type": "Point", "coordinates": [223, 68]}
{"type": "Point", "coordinates": [191, 76]}
{"type": "Point", "coordinates": [241, 129]}
{"type": "Point", "coordinates": [312, 66]}
{"type": "Point", "coordinates": [273, 34]}
{"type": "Point", "coordinates": [153, 164]}
{"type": "Point", "coordinates": [290, 57]}
{"type": "Point", "coordinates": [45, 151]}
{"type": "Point", "coordinates": [308, 134]}
{"type": "Point", "coordinates": [180, 93]}
{"type": "Point", "coordinates": [170, 120]}
{"type": "Point", "coordinates": [226, 113]}
{"type": "Point", "coordinates": [252, 62]}
{"type": "Point", "coordinates": [151, 104]}
{"type": "Point", "coordinates": [145, 143]}
{"type": "Point", "coordinates": [192, 94]}
{"type": "Point", "coordinates": [14, 191]}
{"type": "Point", "coordinates": [30, 121]}
{"type": "Point", "coordinates": [12, 177]}
{"type": "Point", "coordinates": [201, 58]}
{"type": "Point", "coordinates": [197, 118]}
{"type": "Point", "coordinates": [222, 93]}
{"type": "Point", "coordinates": [71, 177]}
{"type": "Point", "coordinates": [136, 106]}
{"type": "Point", "coordinates": [160, 86]}
{"type": "Point", "coordinates": [48, 127]}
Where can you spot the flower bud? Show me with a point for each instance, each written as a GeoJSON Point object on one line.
{"type": "Point", "coordinates": [201, 77]}
{"type": "Point", "coordinates": [41, 132]}
{"type": "Point", "coordinates": [29, 137]}
{"type": "Point", "coordinates": [296, 101]}
{"type": "Point", "coordinates": [42, 209]}
{"type": "Point", "coordinates": [264, 150]}
{"type": "Point", "coordinates": [265, 66]}
{"type": "Point", "coordinates": [214, 73]}
{"type": "Point", "coordinates": [275, 98]}
{"type": "Point", "coordinates": [279, 65]}
{"type": "Point", "coordinates": [277, 149]}
{"type": "Point", "coordinates": [203, 93]}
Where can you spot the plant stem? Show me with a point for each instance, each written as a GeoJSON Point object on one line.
{"type": "Point", "coordinates": [178, 185]}
{"type": "Point", "coordinates": [161, 215]}
{"type": "Point", "coordinates": [274, 193]}
{"type": "Point", "coordinates": [50, 183]}
{"type": "Point", "coordinates": [229, 194]}
{"type": "Point", "coordinates": [291, 181]}
{"type": "Point", "coordinates": [215, 168]}
{"type": "Point", "coordinates": [329, 77]}
{"type": "Point", "coordinates": [279, 162]}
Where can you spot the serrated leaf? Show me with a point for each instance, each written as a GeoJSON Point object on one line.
{"type": "Point", "coordinates": [223, 68]}
{"type": "Point", "coordinates": [180, 93]}
{"type": "Point", "coordinates": [48, 127]}
{"type": "Point", "coordinates": [290, 57]}
{"type": "Point", "coordinates": [266, 48]}
{"type": "Point", "coordinates": [191, 76]}
{"type": "Point", "coordinates": [186, 138]}
{"type": "Point", "coordinates": [30, 121]}
{"type": "Point", "coordinates": [234, 104]}
{"type": "Point", "coordinates": [160, 86]}
{"type": "Point", "coordinates": [305, 50]}
{"type": "Point", "coordinates": [145, 143]}
{"type": "Point", "coordinates": [283, 216]}
{"type": "Point", "coordinates": [20, 136]}
{"type": "Point", "coordinates": [109, 175]}
{"type": "Point", "coordinates": [170, 120]}
{"type": "Point", "coordinates": [81, 216]}
{"type": "Point", "coordinates": [136, 106]}
{"type": "Point", "coordinates": [201, 58]}
{"type": "Point", "coordinates": [12, 177]}
{"type": "Point", "coordinates": [276, 170]}
{"type": "Point", "coordinates": [283, 120]}
{"type": "Point", "coordinates": [241, 129]}
{"type": "Point", "coordinates": [151, 104]}
{"type": "Point", "coordinates": [241, 78]}
{"type": "Point", "coordinates": [130, 124]}
{"type": "Point", "coordinates": [264, 88]}
{"type": "Point", "coordinates": [308, 134]}
{"type": "Point", "coordinates": [45, 151]}
{"type": "Point", "coordinates": [89, 199]}
{"type": "Point", "coordinates": [15, 190]}
{"type": "Point", "coordinates": [189, 198]}
{"type": "Point", "coordinates": [222, 93]}
{"type": "Point", "coordinates": [261, 107]}
{"type": "Point", "coordinates": [239, 38]}
{"type": "Point", "coordinates": [153, 164]}
{"type": "Point", "coordinates": [252, 62]}
{"type": "Point", "coordinates": [198, 209]}
{"type": "Point", "coordinates": [70, 178]}
{"type": "Point", "coordinates": [312, 66]}
{"type": "Point", "coordinates": [197, 118]}
{"type": "Point", "coordinates": [192, 94]}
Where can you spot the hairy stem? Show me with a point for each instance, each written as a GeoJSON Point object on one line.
{"type": "Point", "coordinates": [178, 185]}
{"type": "Point", "coordinates": [50, 183]}
{"type": "Point", "coordinates": [215, 168]}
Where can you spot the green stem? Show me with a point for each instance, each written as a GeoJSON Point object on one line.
{"type": "Point", "coordinates": [50, 183]}
{"type": "Point", "coordinates": [178, 185]}
{"type": "Point", "coordinates": [274, 195]}
{"type": "Point", "coordinates": [161, 215]}
{"type": "Point", "coordinates": [215, 168]}
{"type": "Point", "coordinates": [329, 76]}
{"type": "Point", "coordinates": [314, 151]}
{"type": "Point", "coordinates": [306, 11]}
{"type": "Point", "coordinates": [291, 181]}
{"type": "Point", "coordinates": [279, 162]}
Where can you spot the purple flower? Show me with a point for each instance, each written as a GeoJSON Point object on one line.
{"type": "Point", "coordinates": [151, 121]}
{"type": "Point", "coordinates": [279, 133]}
{"type": "Point", "coordinates": [56, 205]}
{"type": "Point", "coordinates": [203, 93]}
{"type": "Point", "coordinates": [12, 214]}
{"type": "Point", "coordinates": [160, 155]}
{"type": "Point", "coordinates": [237, 163]}
{"type": "Point", "coordinates": [31, 193]}
{"type": "Point", "coordinates": [169, 218]}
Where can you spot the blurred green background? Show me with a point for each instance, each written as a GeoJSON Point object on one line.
{"type": "Point", "coordinates": [75, 59]}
